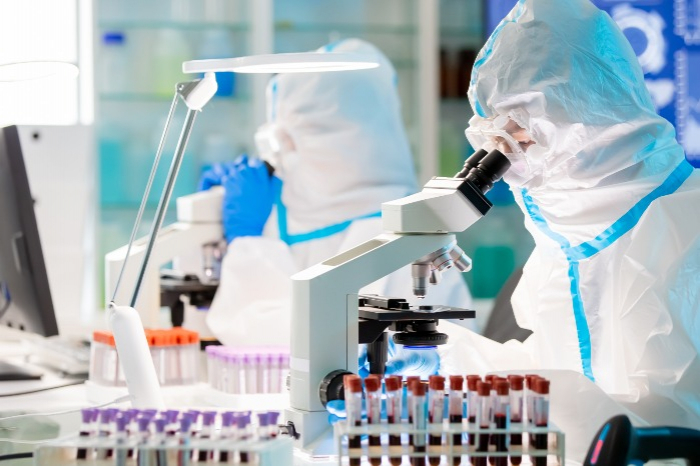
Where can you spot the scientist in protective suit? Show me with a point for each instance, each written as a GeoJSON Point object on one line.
{"type": "Point", "coordinates": [339, 149]}
{"type": "Point", "coordinates": [612, 288]}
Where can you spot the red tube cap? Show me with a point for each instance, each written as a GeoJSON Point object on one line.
{"type": "Point", "coordinates": [502, 387]}
{"type": "Point", "coordinates": [483, 388]}
{"type": "Point", "coordinates": [437, 382]}
{"type": "Point", "coordinates": [393, 383]}
{"type": "Point", "coordinates": [354, 385]}
{"type": "Point", "coordinates": [456, 382]}
{"type": "Point", "coordinates": [516, 382]}
{"type": "Point", "coordinates": [418, 389]}
{"type": "Point", "coordinates": [542, 386]}
{"type": "Point", "coordinates": [373, 383]}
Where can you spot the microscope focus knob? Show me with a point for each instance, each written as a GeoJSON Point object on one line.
{"type": "Point", "coordinates": [332, 386]}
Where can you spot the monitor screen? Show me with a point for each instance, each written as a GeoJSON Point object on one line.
{"type": "Point", "coordinates": [665, 35]}
{"type": "Point", "coordinates": [25, 297]}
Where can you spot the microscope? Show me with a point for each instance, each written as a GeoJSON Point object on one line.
{"type": "Point", "coordinates": [194, 244]}
{"type": "Point", "coordinates": [330, 319]}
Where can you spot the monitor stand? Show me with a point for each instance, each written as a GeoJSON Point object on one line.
{"type": "Point", "coordinates": [14, 372]}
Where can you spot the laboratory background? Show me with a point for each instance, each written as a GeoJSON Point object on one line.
{"type": "Point", "coordinates": [86, 141]}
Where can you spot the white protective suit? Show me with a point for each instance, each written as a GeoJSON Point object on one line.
{"type": "Point", "coordinates": [612, 289]}
{"type": "Point", "coordinates": [348, 154]}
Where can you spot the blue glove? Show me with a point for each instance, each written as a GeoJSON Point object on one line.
{"type": "Point", "coordinates": [423, 362]}
{"type": "Point", "coordinates": [250, 194]}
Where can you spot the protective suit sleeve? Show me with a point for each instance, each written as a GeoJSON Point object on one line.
{"type": "Point", "coordinates": [252, 305]}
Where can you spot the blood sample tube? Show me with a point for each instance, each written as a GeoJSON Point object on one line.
{"type": "Point", "coordinates": [516, 415]}
{"type": "Point", "coordinates": [472, 397]}
{"type": "Point", "coordinates": [160, 441]}
{"type": "Point", "coordinates": [143, 440]}
{"type": "Point", "coordinates": [353, 408]}
{"type": "Point", "coordinates": [501, 415]}
{"type": "Point", "coordinates": [184, 441]}
{"type": "Point", "coordinates": [455, 410]}
{"type": "Point", "coordinates": [436, 414]}
{"type": "Point", "coordinates": [120, 439]}
{"type": "Point", "coordinates": [373, 385]}
{"type": "Point", "coordinates": [529, 396]}
{"type": "Point", "coordinates": [106, 432]}
{"type": "Point", "coordinates": [410, 380]}
{"type": "Point", "coordinates": [394, 395]}
{"type": "Point", "coordinates": [541, 417]}
{"type": "Point", "coordinates": [207, 433]}
{"type": "Point", "coordinates": [483, 410]}
{"type": "Point", "coordinates": [87, 430]}
{"type": "Point", "coordinates": [420, 422]}
{"type": "Point", "coordinates": [243, 423]}
{"type": "Point", "coordinates": [273, 416]}
{"type": "Point", "coordinates": [263, 426]}
{"type": "Point", "coordinates": [227, 434]}
{"type": "Point", "coordinates": [493, 379]}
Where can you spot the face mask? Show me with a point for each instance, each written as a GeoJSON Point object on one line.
{"type": "Point", "coordinates": [274, 146]}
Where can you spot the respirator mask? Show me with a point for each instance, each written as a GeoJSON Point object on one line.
{"type": "Point", "coordinates": [276, 147]}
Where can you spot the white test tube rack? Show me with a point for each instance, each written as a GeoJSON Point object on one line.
{"type": "Point", "coordinates": [447, 451]}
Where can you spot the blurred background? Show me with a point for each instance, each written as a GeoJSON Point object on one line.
{"type": "Point", "coordinates": [130, 52]}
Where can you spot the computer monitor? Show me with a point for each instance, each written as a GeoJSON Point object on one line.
{"type": "Point", "coordinates": [25, 296]}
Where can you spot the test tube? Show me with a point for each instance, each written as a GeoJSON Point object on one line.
{"type": "Point", "coordinates": [144, 435]}
{"type": "Point", "coordinates": [263, 426]}
{"type": "Point", "coordinates": [120, 439]}
{"type": "Point", "coordinates": [410, 380]}
{"type": "Point", "coordinates": [472, 404]}
{"type": "Point", "coordinates": [160, 440]}
{"type": "Point", "coordinates": [436, 413]}
{"type": "Point", "coordinates": [483, 419]}
{"type": "Point", "coordinates": [394, 395]}
{"type": "Point", "coordinates": [501, 415]}
{"type": "Point", "coordinates": [516, 415]}
{"type": "Point", "coordinates": [207, 433]}
{"type": "Point", "coordinates": [353, 408]}
{"type": "Point", "coordinates": [273, 416]}
{"type": "Point", "coordinates": [541, 418]}
{"type": "Point", "coordinates": [106, 432]}
{"type": "Point", "coordinates": [227, 433]}
{"type": "Point", "coordinates": [250, 365]}
{"type": "Point", "coordinates": [529, 395]}
{"type": "Point", "coordinates": [243, 422]}
{"type": "Point", "coordinates": [420, 422]}
{"type": "Point", "coordinates": [373, 385]}
{"type": "Point", "coordinates": [213, 369]}
{"type": "Point", "coordinates": [263, 373]}
{"type": "Point", "coordinates": [492, 379]}
{"type": "Point", "coordinates": [275, 363]}
{"type": "Point", "coordinates": [184, 441]}
{"type": "Point", "coordinates": [87, 430]}
{"type": "Point", "coordinates": [455, 409]}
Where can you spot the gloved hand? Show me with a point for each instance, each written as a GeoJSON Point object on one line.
{"type": "Point", "coordinates": [422, 362]}
{"type": "Point", "coordinates": [250, 194]}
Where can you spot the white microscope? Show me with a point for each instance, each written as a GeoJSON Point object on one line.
{"type": "Point", "coordinates": [325, 308]}
{"type": "Point", "coordinates": [194, 245]}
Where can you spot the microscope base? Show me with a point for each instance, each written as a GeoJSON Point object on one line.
{"type": "Point", "coordinates": [315, 434]}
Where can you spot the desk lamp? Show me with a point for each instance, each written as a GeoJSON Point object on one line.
{"type": "Point", "coordinates": [134, 355]}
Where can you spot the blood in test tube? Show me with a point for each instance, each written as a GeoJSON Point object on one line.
{"type": "Point", "coordinates": [394, 395]}
{"type": "Point", "coordinates": [410, 380]}
{"type": "Point", "coordinates": [472, 403]}
{"type": "Point", "coordinates": [207, 433]}
{"type": "Point", "coordinates": [436, 396]}
{"type": "Point", "coordinates": [373, 385]}
{"type": "Point", "coordinates": [87, 430]}
{"type": "Point", "coordinates": [105, 432]}
{"type": "Point", "coordinates": [483, 419]}
{"type": "Point", "coordinates": [353, 408]}
{"type": "Point", "coordinates": [501, 416]}
{"type": "Point", "coordinates": [529, 397]}
{"type": "Point", "coordinates": [420, 423]}
{"type": "Point", "coordinates": [263, 426]}
{"type": "Point", "coordinates": [160, 440]}
{"type": "Point", "coordinates": [541, 418]}
{"type": "Point", "coordinates": [516, 415]}
{"type": "Point", "coordinates": [455, 403]}
{"type": "Point", "coordinates": [243, 421]}
{"type": "Point", "coordinates": [493, 379]}
{"type": "Point", "coordinates": [273, 417]}
{"type": "Point", "coordinates": [228, 420]}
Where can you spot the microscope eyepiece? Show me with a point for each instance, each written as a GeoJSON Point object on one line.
{"type": "Point", "coordinates": [471, 162]}
{"type": "Point", "coordinates": [489, 170]}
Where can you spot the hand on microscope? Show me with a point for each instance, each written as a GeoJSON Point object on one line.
{"type": "Point", "coordinates": [250, 193]}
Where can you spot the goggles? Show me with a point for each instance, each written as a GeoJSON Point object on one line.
{"type": "Point", "coordinates": [272, 142]}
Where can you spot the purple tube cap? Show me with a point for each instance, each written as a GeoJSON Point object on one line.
{"type": "Point", "coordinates": [87, 415]}
{"type": "Point", "coordinates": [263, 419]}
{"type": "Point", "coordinates": [208, 418]}
{"type": "Point", "coordinates": [171, 415]}
{"type": "Point", "coordinates": [122, 421]}
{"type": "Point", "coordinates": [242, 422]}
{"type": "Point", "coordinates": [143, 423]}
{"type": "Point", "coordinates": [160, 425]}
{"type": "Point", "coordinates": [185, 424]}
{"type": "Point", "coordinates": [273, 417]}
{"type": "Point", "coordinates": [106, 416]}
{"type": "Point", "coordinates": [227, 419]}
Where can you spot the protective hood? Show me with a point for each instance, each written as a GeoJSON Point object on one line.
{"type": "Point", "coordinates": [564, 72]}
{"type": "Point", "coordinates": [349, 150]}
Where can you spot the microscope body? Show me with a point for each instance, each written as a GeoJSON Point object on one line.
{"type": "Point", "coordinates": [197, 232]}
{"type": "Point", "coordinates": [325, 296]}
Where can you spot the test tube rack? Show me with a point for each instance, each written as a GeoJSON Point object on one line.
{"type": "Point", "coordinates": [448, 452]}
{"type": "Point", "coordinates": [64, 452]}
